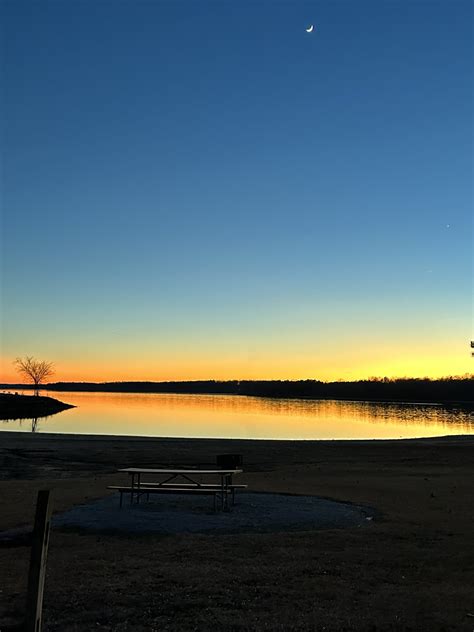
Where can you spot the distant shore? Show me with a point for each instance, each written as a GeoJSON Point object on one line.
{"type": "Point", "coordinates": [14, 406]}
{"type": "Point", "coordinates": [446, 391]}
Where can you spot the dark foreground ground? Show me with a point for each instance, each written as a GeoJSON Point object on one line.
{"type": "Point", "coordinates": [411, 568]}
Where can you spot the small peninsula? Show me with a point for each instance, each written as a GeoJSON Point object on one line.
{"type": "Point", "coordinates": [14, 406]}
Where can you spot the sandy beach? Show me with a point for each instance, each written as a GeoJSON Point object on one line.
{"type": "Point", "coordinates": [410, 568]}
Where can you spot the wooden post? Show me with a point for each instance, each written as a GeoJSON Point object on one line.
{"type": "Point", "coordinates": [39, 552]}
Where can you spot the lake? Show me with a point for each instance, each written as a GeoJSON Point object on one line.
{"type": "Point", "coordinates": [232, 417]}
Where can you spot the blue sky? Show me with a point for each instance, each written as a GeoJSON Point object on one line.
{"type": "Point", "coordinates": [202, 189]}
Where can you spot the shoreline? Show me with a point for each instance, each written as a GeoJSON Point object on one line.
{"type": "Point", "coordinates": [454, 438]}
{"type": "Point", "coordinates": [14, 406]}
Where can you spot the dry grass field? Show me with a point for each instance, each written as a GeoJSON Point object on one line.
{"type": "Point", "coordinates": [412, 568]}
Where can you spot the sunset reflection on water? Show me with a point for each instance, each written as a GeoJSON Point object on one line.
{"type": "Point", "coordinates": [230, 416]}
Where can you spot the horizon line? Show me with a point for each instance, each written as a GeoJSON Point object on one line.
{"type": "Point", "coordinates": [465, 376]}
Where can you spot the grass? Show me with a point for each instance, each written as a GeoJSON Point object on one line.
{"type": "Point", "coordinates": [412, 568]}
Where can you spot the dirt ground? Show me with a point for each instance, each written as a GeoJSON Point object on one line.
{"type": "Point", "coordinates": [412, 568]}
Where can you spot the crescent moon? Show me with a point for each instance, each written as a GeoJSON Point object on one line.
{"type": "Point", "coordinates": [310, 29]}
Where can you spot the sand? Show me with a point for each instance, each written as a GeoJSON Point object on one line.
{"type": "Point", "coordinates": [410, 568]}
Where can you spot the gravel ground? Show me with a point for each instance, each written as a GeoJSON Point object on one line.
{"type": "Point", "coordinates": [253, 512]}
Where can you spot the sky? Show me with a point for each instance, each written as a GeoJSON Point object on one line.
{"type": "Point", "coordinates": [204, 190]}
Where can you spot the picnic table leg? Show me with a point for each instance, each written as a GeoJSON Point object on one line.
{"type": "Point", "coordinates": [227, 477]}
{"type": "Point", "coordinates": [138, 487]}
{"type": "Point", "coordinates": [133, 485]}
{"type": "Point", "coordinates": [223, 492]}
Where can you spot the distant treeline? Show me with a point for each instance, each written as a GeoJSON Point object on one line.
{"type": "Point", "coordinates": [449, 389]}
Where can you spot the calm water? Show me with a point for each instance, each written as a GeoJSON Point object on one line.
{"type": "Point", "coordinates": [230, 416]}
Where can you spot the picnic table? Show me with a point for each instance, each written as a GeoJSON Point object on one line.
{"type": "Point", "coordinates": [171, 482]}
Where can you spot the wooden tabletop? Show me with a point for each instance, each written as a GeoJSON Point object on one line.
{"type": "Point", "coordinates": [145, 470]}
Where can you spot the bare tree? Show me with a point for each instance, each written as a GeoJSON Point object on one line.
{"type": "Point", "coordinates": [34, 370]}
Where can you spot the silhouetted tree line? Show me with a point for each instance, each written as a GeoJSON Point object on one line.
{"type": "Point", "coordinates": [384, 389]}
{"type": "Point", "coordinates": [449, 389]}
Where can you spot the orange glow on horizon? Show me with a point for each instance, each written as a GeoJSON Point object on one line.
{"type": "Point", "coordinates": [296, 369]}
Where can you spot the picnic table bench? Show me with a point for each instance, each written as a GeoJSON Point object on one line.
{"type": "Point", "coordinates": [169, 485]}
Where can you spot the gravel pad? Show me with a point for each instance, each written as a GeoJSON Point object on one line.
{"type": "Point", "coordinates": [253, 512]}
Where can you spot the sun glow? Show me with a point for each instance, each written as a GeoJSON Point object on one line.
{"type": "Point", "coordinates": [274, 366]}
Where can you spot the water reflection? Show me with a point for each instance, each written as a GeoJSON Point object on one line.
{"type": "Point", "coordinates": [230, 416]}
{"type": "Point", "coordinates": [25, 423]}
